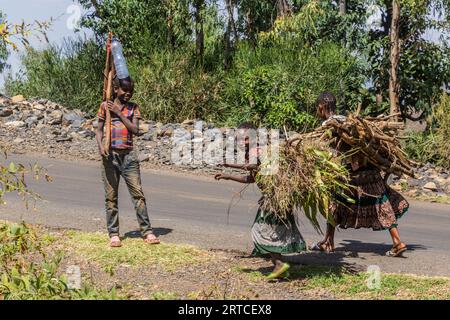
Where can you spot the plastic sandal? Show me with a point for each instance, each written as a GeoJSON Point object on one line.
{"type": "Point", "coordinates": [396, 251]}
{"type": "Point", "coordinates": [282, 273]}
{"type": "Point", "coordinates": [318, 247]}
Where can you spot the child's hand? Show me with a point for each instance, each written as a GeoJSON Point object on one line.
{"type": "Point", "coordinates": [221, 176]}
{"type": "Point", "coordinates": [114, 108]}
{"type": "Point", "coordinates": [103, 152]}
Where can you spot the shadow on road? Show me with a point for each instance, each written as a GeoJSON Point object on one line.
{"type": "Point", "coordinates": [312, 268]}
{"type": "Point", "coordinates": [356, 246]}
{"type": "Point", "coordinates": [312, 264]}
{"type": "Point", "coordinates": [157, 231]}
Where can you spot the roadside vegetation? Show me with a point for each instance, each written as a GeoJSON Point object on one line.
{"type": "Point", "coordinates": [35, 260]}
{"type": "Point", "coordinates": [260, 61]}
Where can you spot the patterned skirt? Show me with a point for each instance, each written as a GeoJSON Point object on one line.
{"type": "Point", "coordinates": [377, 206]}
{"type": "Point", "coordinates": [272, 235]}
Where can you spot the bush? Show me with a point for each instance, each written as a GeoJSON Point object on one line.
{"type": "Point", "coordinates": [432, 145]}
{"type": "Point", "coordinates": [171, 89]}
{"type": "Point", "coordinates": [29, 274]}
{"type": "Point", "coordinates": [71, 74]}
{"type": "Point", "coordinates": [275, 88]}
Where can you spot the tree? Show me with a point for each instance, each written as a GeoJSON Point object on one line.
{"type": "Point", "coordinates": [394, 84]}
{"type": "Point", "coordinates": [284, 8]}
{"type": "Point", "coordinates": [408, 69]}
{"type": "Point", "coordinates": [199, 32]}
{"type": "Point", "coordinates": [13, 33]}
{"type": "Point", "coordinates": [342, 7]}
{"type": "Point", "coordinates": [231, 30]}
{"type": "Point", "coordinates": [13, 176]}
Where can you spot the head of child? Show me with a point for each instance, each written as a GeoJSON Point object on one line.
{"type": "Point", "coordinates": [123, 89]}
{"type": "Point", "coordinates": [244, 131]}
{"type": "Point", "coordinates": [326, 105]}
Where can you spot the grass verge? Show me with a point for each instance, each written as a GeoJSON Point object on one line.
{"type": "Point", "coordinates": [342, 284]}
{"type": "Point", "coordinates": [133, 253]}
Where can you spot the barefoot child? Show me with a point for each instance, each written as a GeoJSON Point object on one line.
{"type": "Point", "coordinates": [121, 160]}
{"type": "Point", "coordinates": [270, 235]}
{"type": "Point", "coordinates": [377, 205]}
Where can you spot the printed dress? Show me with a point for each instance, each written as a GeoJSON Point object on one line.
{"type": "Point", "coordinates": [377, 205]}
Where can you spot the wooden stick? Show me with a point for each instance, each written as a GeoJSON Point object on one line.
{"type": "Point", "coordinates": [107, 92]}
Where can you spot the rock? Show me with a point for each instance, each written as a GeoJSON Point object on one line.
{"type": "Point", "coordinates": [56, 132]}
{"type": "Point", "coordinates": [167, 130]}
{"type": "Point", "coordinates": [87, 133]}
{"type": "Point", "coordinates": [72, 117]}
{"type": "Point", "coordinates": [55, 117]}
{"type": "Point", "coordinates": [5, 112]}
{"type": "Point", "coordinates": [76, 124]}
{"type": "Point", "coordinates": [143, 128]}
{"type": "Point", "coordinates": [17, 99]}
{"type": "Point", "coordinates": [143, 157]}
{"type": "Point", "coordinates": [430, 186]}
{"type": "Point", "coordinates": [30, 121]}
{"type": "Point", "coordinates": [148, 137]}
{"type": "Point", "coordinates": [52, 105]}
{"type": "Point", "coordinates": [64, 138]}
{"type": "Point", "coordinates": [18, 140]}
{"type": "Point", "coordinates": [414, 182]}
{"type": "Point", "coordinates": [39, 107]}
{"type": "Point", "coordinates": [15, 124]}
{"type": "Point", "coordinates": [188, 122]}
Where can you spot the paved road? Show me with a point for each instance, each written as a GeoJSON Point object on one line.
{"type": "Point", "coordinates": [194, 209]}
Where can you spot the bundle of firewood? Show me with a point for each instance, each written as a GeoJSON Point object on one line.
{"type": "Point", "coordinates": [374, 137]}
{"type": "Point", "coordinates": [312, 170]}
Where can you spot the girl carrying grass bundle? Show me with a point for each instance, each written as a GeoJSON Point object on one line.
{"type": "Point", "coordinates": [271, 235]}
{"type": "Point", "coordinates": [375, 206]}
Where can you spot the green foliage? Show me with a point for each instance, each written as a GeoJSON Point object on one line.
{"type": "Point", "coordinates": [432, 145]}
{"type": "Point", "coordinates": [424, 66]}
{"type": "Point", "coordinates": [3, 50]}
{"type": "Point", "coordinates": [169, 89]}
{"type": "Point", "coordinates": [28, 273]}
{"type": "Point", "coordinates": [71, 74]}
{"type": "Point", "coordinates": [279, 64]}
{"type": "Point", "coordinates": [277, 88]}
{"type": "Point", "coordinates": [142, 26]}
{"type": "Point", "coordinates": [13, 178]}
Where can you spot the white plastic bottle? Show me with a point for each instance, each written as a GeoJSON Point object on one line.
{"type": "Point", "coordinates": [119, 59]}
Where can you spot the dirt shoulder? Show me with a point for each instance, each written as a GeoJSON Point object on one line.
{"type": "Point", "coordinates": [176, 271]}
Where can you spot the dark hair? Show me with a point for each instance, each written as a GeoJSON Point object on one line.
{"type": "Point", "coordinates": [328, 100]}
{"type": "Point", "coordinates": [126, 83]}
{"type": "Point", "coordinates": [246, 125]}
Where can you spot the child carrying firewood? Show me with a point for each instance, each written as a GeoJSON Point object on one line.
{"type": "Point", "coordinates": [271, 235]}
{"type": "Point", "coordinates": [376, 206]}
{"type": "Point", "coordinates": [121, 160]}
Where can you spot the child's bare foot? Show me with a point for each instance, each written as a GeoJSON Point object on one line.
{"type": "Point", "coordinates": [115, 242]}
{"type": "Point", "coordinates": [151, 239]}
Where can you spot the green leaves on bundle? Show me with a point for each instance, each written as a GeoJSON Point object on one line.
{"type": "Point", "coordinates": [308, 177]}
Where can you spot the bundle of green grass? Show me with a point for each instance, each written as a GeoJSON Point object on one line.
{"type": "Point", "coordinates": [309, 174]}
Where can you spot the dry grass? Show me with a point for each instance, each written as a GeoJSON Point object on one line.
{"type": "Point", "coordinates": [342, 284]}
{"type": "Point", "coordinates": [134, 252]}
{"type": "Point", "coordinates": [308, 176]}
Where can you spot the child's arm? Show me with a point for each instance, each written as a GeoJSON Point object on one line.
{"type": "Point", "coordinates": [99, 138]}
{"type": "Point", "coordinates": [132, 126]}
{"type": "Point", "coordinates": [241, 179]}
{"type": "Point", "coordinates": [248, 167]}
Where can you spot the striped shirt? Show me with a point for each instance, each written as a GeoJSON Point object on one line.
{"type": "Point", "coordinates": [121, 137]}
